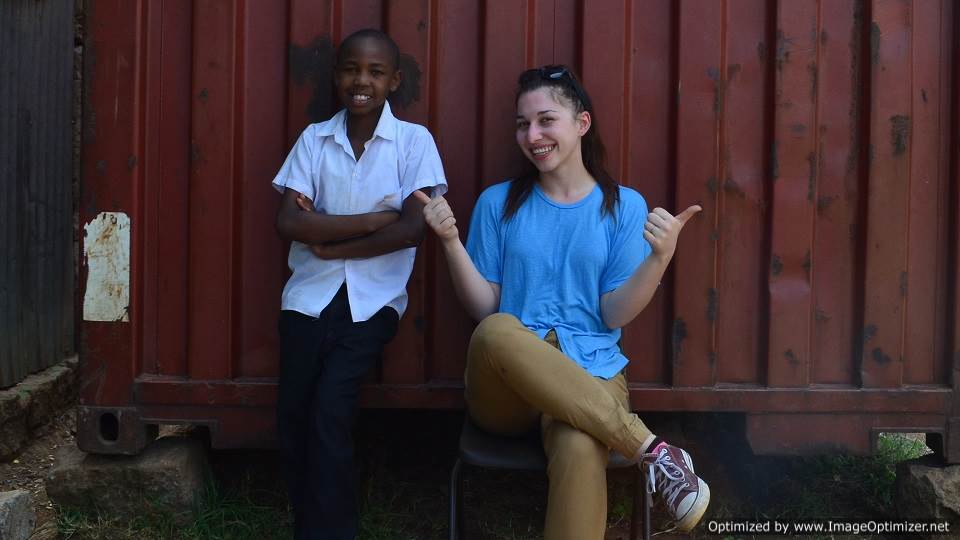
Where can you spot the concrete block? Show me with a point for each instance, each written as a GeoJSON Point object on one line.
{"type": "Point", "coordinates": [167, 476]}
{"type": "Point", "coordinates": [17, 519]}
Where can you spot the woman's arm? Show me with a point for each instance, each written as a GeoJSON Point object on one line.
{"type": "Point", "coordinates": [620, 306]}
{"type": "Point", "coordinates": [293, 223]}
{"type": "Point", "coordinates": [479, 297]}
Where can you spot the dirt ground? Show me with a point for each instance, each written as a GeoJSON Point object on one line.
{"type": "Point", "coordinates": [28, 470]}
{"type": "Point", "coordinates": [404, 462]}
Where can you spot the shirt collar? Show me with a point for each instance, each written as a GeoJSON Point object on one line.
{"type": "Point", "coordinates": [387, 126]}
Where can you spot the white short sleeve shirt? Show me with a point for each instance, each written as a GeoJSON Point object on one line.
{"type": "Point", "coordinates": [399, 159]}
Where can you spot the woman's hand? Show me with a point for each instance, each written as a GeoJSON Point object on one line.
{"type": "Point", "coordinates": [439, 216]}
{"type": "Point", "coordinates": [663, 229]}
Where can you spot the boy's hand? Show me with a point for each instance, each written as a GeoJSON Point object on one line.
{"type": "Point", "coordinates": [324, 251]}
{"type": "Point", "coordinates": [305, 203]}
{"type": "Point", "coordinates": [663, 229]}
{"type": "Point", "coordinates": [439, 216]}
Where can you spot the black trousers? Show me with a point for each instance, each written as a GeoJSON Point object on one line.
{"type": "Point", "coordinates": [322, 362]}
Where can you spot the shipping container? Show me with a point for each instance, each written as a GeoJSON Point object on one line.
{"type": "Point", "coordinates": [818, 288]}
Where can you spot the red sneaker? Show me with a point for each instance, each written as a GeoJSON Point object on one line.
{"type": "Point", "coordinates": [685, 494]}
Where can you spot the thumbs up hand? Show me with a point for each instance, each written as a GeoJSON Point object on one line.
{"type": "Point", "coordinates": [438, 216]}
{"type": "Point", "coordinates": [663, 229]}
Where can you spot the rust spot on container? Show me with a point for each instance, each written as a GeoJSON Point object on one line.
{"type": "Point", "coordinates": [923, 94]}
{"type": "Point", "coordinates": [731, 187]}
{"type": "Point", "coordinates": [807, 264]}
{"type": "Point", "coordinates": [823, 38]}
{"type": "Point", "coordinates": [880, 357]}
{"type": "Point", "coordinates": [131, 162]}
{"type": "Point", "coordinates": [712, 358]}
{"type": "Point", "coordinates": [409, 90]}
{"type": "Point", "coordinates": [820, 315]}
{"type": "Point", "coordinates": [712, 185]}
{"type": "Point", "coordinates": [903, 283]}
{"type": "Point", "coordinates": [420, 324]}
{"type": "Point", "coordinates": [762, 51]}
{"type": "Point", "coordinates": [101, 166]}
{"type": "Point", "coordinates": [203, 95]}
{"type": "Point", "coordinates": [869, 332]}
{"type": "Point", "coordinates": [678, 335]}
{"type": "Point", "coordinates": [732, 71]}
{"type": "Point", "coordinates": [798, 129]}
{"type": "Point", "coordinates": [811, 174]}
{"type": "Point", "coordinates": [899, 133]}
{"type": "Point", "coordinates": [714, 75]}
{"type": "Point", "coordinates": [783, 52]}
{"type": "Point", "coordinates": [874, 42]}
{"type": "Point", "coordinates": [714, 235]}
{"type": "Point", "coordinates": [791, 357]}
{"type": "Point", "coordinates": [712, 304]}
{"type": "Point", "coordinates": [194, 152]}
{"type": "Point", "coordinates": [776, 265]}
{"type": "Point", "coordinates": [823, 204]}
{"type": "Point", "coordinates": [870, 153]}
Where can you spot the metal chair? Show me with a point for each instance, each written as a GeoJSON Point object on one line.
{"type": "Point", "coordinates": [482, 449]}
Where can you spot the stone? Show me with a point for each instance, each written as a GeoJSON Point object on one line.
{"type": "Point", "coordinates": [34, 402]}
{"type": "Point", "coordinates": [927, 489]}
{"type": "Point", "coordinates": [167, 477]}
{"type": "Point", "coordinates": [17, 519]}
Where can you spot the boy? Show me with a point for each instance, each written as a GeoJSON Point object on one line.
{"type": "Point", "coordinates": [348, 210]}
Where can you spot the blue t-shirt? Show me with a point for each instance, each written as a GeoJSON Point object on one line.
{"type": "Point", "coordinates": [553, 262]}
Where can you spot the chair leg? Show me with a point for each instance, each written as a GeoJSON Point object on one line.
{"type": "Point", "coordinates": [455, 524]}
{"type": "Point", "coordinates": [647, 504]}
{"type": "Point", "coordinates": [635, 513]}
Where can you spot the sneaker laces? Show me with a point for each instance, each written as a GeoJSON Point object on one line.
{"type": "Point", "coordinates": [671, 476]}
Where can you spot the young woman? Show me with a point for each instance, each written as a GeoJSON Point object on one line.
{"type": "Point", "coordinates": [557, 261]}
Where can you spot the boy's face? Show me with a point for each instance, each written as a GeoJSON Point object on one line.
{"type": "Point", "coordinates": [365, 75]}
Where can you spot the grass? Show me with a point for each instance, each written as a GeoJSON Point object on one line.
{"type": "Point", "coordinates": [827, 486]}
{"type": "Point", "coordinates": [220, 515]}
{"type": "Point", "coordinates": [404, 466]}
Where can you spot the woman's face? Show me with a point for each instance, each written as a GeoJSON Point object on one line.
{"type": "Point", "coordinates": [548, 130]}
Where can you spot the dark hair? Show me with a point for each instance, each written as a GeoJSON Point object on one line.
{"type": "Point", "coordinates": [564, 85]}
{"type": "Point", "coordinates": [371, 33]}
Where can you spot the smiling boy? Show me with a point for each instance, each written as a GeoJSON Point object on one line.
{"type": "Point", "coordinates": [353, 225]}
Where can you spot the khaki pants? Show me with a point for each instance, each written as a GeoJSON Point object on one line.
{"type": "Point", "coordinates": [514, 379]}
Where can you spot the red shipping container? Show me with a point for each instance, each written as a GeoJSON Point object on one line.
{"type": "Point", "coordinates": [819, 287]}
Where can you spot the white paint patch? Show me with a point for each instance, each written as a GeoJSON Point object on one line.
{"type": "Point", "coordinates": [106, 248]}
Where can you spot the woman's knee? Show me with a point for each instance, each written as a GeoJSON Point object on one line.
{"type": "Point", "coordinates": [568, 445]}
{"type": "Point", "coordinates": [494, 331]}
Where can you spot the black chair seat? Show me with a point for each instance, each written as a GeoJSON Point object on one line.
{"type": "Point", "coordinates": [481, 449]}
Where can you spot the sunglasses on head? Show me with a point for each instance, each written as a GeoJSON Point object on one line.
{"type": "Point", "coordinates": [556, 72]}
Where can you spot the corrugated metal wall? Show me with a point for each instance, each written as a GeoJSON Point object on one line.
{"type": "Point", "coordinates": [36, 194]}
{"type": "Point", "coordinates": [819, 136]}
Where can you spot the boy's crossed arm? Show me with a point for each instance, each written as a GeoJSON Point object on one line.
{"type": "Point", "coordinates": [314, 228]}
{"type": "Point", "coordinates": [404, 231]}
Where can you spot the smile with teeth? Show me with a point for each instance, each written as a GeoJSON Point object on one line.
{"type": "Point", "coordinates": [540, 151]}
{"type": "Point", "coordinates": [360, 99]}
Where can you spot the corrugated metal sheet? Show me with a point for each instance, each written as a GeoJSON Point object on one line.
{"type": "Point", "coordinates": [819, 135]}
{"type": "Point", "coordinates": [36, 195]}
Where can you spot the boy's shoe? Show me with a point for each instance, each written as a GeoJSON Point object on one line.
{"type": "Point", "coordinates": [686, 495]}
